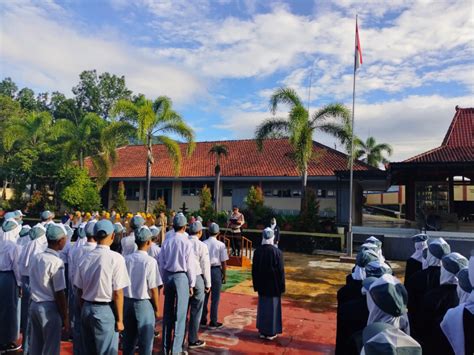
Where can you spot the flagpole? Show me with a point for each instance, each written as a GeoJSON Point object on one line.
{"type": "Point", "coordinates": [351, 178]}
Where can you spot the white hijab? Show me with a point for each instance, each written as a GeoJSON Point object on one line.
{"type": "Point", "coordinates": [358, 273]}
{"type": "Point", "coordinates": [447, 278]}
{"type": "Point", "coordinates": [268, 241]}
{"type": "Point", "coordinates": [14, 234]}
{"type": "Point", "coordinates": [419, 247]}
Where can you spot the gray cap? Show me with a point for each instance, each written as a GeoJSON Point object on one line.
{"type": "Point", "coordinates": [464, 282]}
{"type": "Point", "coordinates": [18, 214]}
{"type": "Point", "coordinates": [366, 256]}
{"type": "Point", "coordinates": [454, 262]}
{"type": "Point", "coordinates": [118, 228]}
{"type": "Point", "coordinates": [46, 215]}
{"type": "Point", "coordinates": [55, 232]}
{"type": "Point", "coordinates": [268, 233]}
{"type": "Point", "coordinates": [9, 215]}
{"type": "Point", "coordinates": [195, 227]}
{"type": "Point", "coordinates": [137, 221]}
{"type": "Point", "coordinates": [385, 339]}
{"type": "Point", "coordinates": [199, 218]}
{"type": "Point", "coordinates": [214, 229]}
{"type": "Point", "coordinates": [69, 230]}
{"type": "Point", "coordinates": [155, 231]}
{"type": "Point", "coordinates": [142, 234]}
{"type": "Point", "coordinates": [377, 269]}
{"type": "Point", "coordinates": [419, 238]}
{"type": "Point", "coordinates": [179, 220]}
{"type": "Point", "coordinates": [374, 240]}
{"type": "Point", "coordinates": [89, 228]}
{"type": "Point", "coordinates": [439, 248]}
{"type": "Point", "coordinates": [389, 295]}
{"type": "Point", "coordinates": [25, 230]}
{"type": "Point", "coordinates": [36, 232]}
{"type": "Point", "coordinates": [81, 231]}
{"type": "Point", "coordinates": [104, 225]}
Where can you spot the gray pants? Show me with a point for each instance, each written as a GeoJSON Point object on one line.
{"type": "Point", "coordinates": [175, 310]}
{"type": "Point", "coordinates": [25, 308]}
{"type": "Point", "coordinates": [45, 325]}
{"type": "Point", "coordinates": [9, 308]}
{"type": "Point", "coordinates": [216, 284]}
{"type": "Point", "coordinates": [98, 335]}
{"type": "Point", "coordinates": [139, 322]}
{"type": "Point", "coordinates": [196, 304]}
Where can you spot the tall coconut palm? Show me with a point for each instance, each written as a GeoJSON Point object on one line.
{"type": "Point", "coordinates": [299, 127]}
{"type": "Point", "coordinates": [218, 150]}
{"type": "Point", "coordinates": [371, 152]}
{"type": "Point", "coordinates": [154, 120]}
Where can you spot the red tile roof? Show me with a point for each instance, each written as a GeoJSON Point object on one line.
{"type": "Point", "coordinates": [458, 144]}
{"type": "Point", "coordinates": [243, 160]}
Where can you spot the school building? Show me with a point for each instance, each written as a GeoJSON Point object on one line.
{"type": "Point", "coordinates": [272, 169]}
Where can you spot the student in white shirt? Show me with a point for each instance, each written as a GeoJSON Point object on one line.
{"type": "Point", "coordinates": [128, 242]}
{"type": "Point", "coordinates": [139, 312]}
{"type": "Point", "coordinates": [9, 286]}
{"type": "Point", "coordinates": [100, 279]}
{"type": "Point", "coordinates": [154, 250]}
{"type": "Point", "coordinates": [218, 257]}
{"type": "Point", "coordinates": [203, 284]}
{"type": "Point", "coordinates": [48, 308]}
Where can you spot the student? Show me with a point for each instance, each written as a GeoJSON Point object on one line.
{"type": "Point", "coordinates": [378, 244]}
{"type": "Point", "coordinates": [437, 302]}
{"type": "Point", "coordinates": [154, 250]}
{"type": "Point", "coordinates": [458, 323]}
{"type": "Point", "coordinates": [48, 309]}
{"type": "Point", "coordinates": [100, 279]}
{"type": "Point", "coordinates": [425, 280]}
{"type": "Point", "coordinates": [38, 244]}
{"type": "Point", "coordinates": [10, 283]}
{"type": "Point", "coordinates": [87, 234]}
{"type": "Point", "coordinates": [24, 234]}
{"type": "Point", "coordinates": [268, 278]}
{"type": "Point", "coordinates": [218, 257]}
{"type": "Point", "coordinates": [46, 217]}
{"type": "Point", "coordinates": [464, 287]}
{"type": "Point", "coordinates": [176, 262]}
{"type": "Point", "coordinates": [415, 262]}
{"type": "Point", "coordinates": [203, 284]}
{"type": "Point", "coordinates": [128, 242]}
{"type": "Point", "coordinates": [139, 313]}
{"type": "Point", "coordinates": [276, 230]}
{"type": "Point", "coordinates": [385, 339]}
{"type": "Point", "coordinates": [119, 230]}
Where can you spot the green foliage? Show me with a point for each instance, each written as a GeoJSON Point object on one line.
{"type": "Point", "coordinates": [120, 203]}
{"type": "Point", "coordinates": [8, 88]}
{"type": "Point", "coordinates": [26, 98]}
{"type": "Point", "coordinates": [205, 199]}
{"type": "Point", "coordinates": [78, 190]}
{"type": "Point", "coordinates": [254, 199]}
{"type": "Point", "coordinates": [160, 206]}
{"type": "Point", "coordinates": [256, 213]}
{"type": "Point", "coordinates": [309, 215]}
{"type": "Point", "coordinates": [371, 152]}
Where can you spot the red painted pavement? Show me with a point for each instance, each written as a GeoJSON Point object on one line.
{"type": "Point", "coordinates": [304, 331]}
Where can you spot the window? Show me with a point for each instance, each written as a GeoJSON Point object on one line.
{"type": "Point", "coordinates": [132, 192]}
{"type": "Point", "coordinates": [227, 192]}
{"type": "Point", "coordinates": [432, 197]}
{"type": "Point", "coordinates": [281, 193]}
{"type": "Point", "coordinates": [194, 188]}
{"type": "Point", "coordinates": [321, 193]}
{"type": "Point", "coordinates": [331, 193]}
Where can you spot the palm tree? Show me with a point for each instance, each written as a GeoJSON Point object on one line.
{"type": "Point", "coordinates": [219, 150]}
{"type": "Point", "coordinates": [154, 120]}
{"type": "Point", "coordinates": [299, 127]}
{"type": "Point", "coordinates": [371, 152]}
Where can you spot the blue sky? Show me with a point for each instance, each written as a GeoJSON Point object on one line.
{"type": "Point", "coordinates": [220, 60]}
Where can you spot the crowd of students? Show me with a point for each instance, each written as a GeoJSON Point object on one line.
{"type": "Point", "coordinates": [107, 281]}
{"type": "Point", "coordinates": [432, 313]}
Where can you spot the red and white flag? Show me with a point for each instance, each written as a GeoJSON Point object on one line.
{"type": "Point", "coordinates": [358, 50]}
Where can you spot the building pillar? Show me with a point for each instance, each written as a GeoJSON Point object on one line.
{"type": "Point", "coordinates": [451, 194]}
{"type": "Point", "coordinates": [410, 200]}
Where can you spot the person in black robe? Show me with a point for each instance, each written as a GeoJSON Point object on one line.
{"type": "Point", "coordinates": [415, 262]}
{"type": "Point", "coordinates": [458, 323]}
{"type": "Point", "coordinates": [268, 277]}
{"type": "Point", "coordinates": [274, 226]}
{"type": "Point", "coordinates": [351, 290]}
{"type": "Point", "coordinates": [437, 302]}
{"type": "Point", "coordinates": [423, 281]}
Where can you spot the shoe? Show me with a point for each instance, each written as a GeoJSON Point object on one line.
{"type": "Point", "coordinates": [215, 325]}
{"type": "Point", "coordinates": [157, 333]}
{"type": "Point", "coordinates": [10, 347]}
{"type": "Point", "coordinates": [270, 337]}
{"type": "Point", "coordinates": [203, 324]}
{"type": "Point", "coordinates": [197, 344]}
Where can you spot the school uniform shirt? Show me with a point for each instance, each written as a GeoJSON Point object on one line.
{"type": "Point", "coordinates": [203, 262]}
{"type": "Point", "coordinates": [128, 244]}
{"type": "Point", "coordinates": [36, 246]}
{"type": "Point", "coordinates": [77, 255]}
{"type": "Point", "coordinates": [217, 251]}
{"type": "Point", "coordinates": [101, 272]}
{"type": "Point", "coordinates": [154, 251]}
{"type": "Point", "coordinates": [78, 244]}
{"type": "Point", "coordinates": [144, 275]}
{"type": "Point", "coordinates": [9, 256]}
{"type": "Point", "coordinates": [46, 276]}
{"type": "Point", "coordinates": [177, 255]}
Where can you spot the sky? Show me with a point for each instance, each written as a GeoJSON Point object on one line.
{"type": "Point", "coordinates": [220, 60]}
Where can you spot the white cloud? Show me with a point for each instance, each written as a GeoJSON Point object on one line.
{"type": "Point", "coordinates": [50, 54]}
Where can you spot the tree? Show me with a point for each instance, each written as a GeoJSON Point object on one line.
{"type": "Point", "coordinates": [371, 152]}
{"type": "Point", "coordinates": [120, 203]}
{"type": "Point", "coordinates": [99, 93]}
{"type": "Point", "coordinates": [154, 121]}
{"type": "Point", "coordinates": [78, 190]}
{"type": "Point", "coordinates": [254, 199]}
{"type": "Point", "coordinates": [218, 150]}
{"type": "Point", "coordinates": [8, 88]}
{"type": "Point", "coordinates": [160, 206]}
{"type": "Point", "coordinates": [205, 199]}
{"type": "Point", "coordinates": [299, 127]}
{"type": "Point", "coordinates": [26, 98]}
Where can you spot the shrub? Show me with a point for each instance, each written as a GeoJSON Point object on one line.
{"type": "Point", "coordinates": [254, 199]}
{"type": "Point", "coordinates": [160, 206]}
{"type": "Point", "coordinates": [309, 216]}
{"type": "Point", "coordinates": [120, 203]}
{"type": "Point", "coordinates": [78, 191]}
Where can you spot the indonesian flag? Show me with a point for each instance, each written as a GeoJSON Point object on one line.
{"type": "Point", "coordinates": [358, 50]}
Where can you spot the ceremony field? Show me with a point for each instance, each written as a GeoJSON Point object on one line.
{"type": "Point", "coordinates": [309, 310]}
